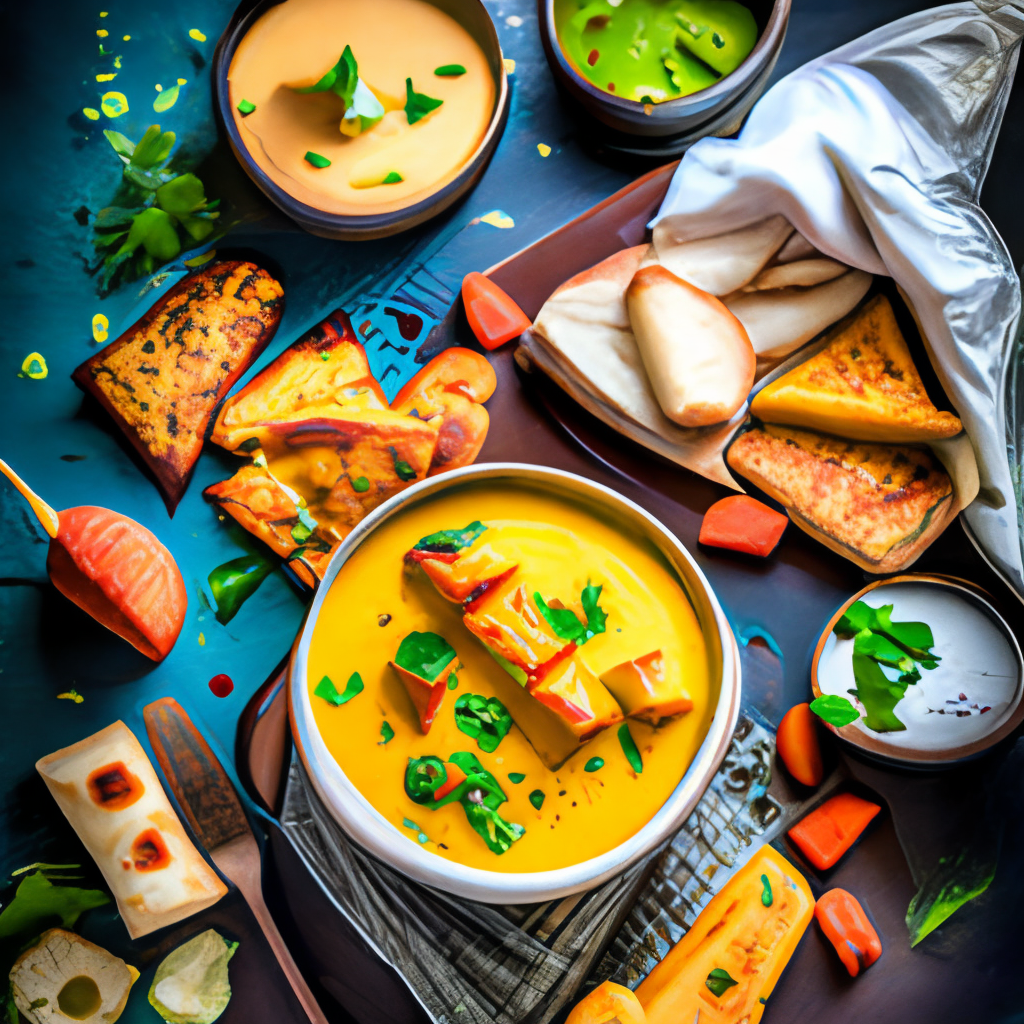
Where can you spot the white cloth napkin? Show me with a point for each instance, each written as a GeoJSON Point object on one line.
{"type": "Point", "coordinates": [876, 153]}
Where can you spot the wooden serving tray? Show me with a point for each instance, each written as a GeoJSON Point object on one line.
{"type": "Point", "coordinates": [963, 971]}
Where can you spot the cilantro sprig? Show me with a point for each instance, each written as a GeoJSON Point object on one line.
{"type": "Point", "coordinates": [155, 213]}
{"type": "Point", "coordinates": [564, 621]}
{"type": "Point", "coordinates": [418, 104]}
{"type": "Point", "coordinates": [362, 109]}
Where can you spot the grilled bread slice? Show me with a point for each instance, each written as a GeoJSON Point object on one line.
{"type": "Point", "coordinates": [863, 384]}
{"type": "Point", "coordinates": [163, 378]}
{"type": "Point", "coordinates": [878, 505]}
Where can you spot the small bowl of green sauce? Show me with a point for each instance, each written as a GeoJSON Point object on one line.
{"type": "Point", "coordinates": [663, 71]}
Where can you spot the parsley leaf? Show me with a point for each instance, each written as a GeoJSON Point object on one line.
{"type": "Point", "coordinates": [562, 620]}
{"type": "Point", "coordinates": [341, 79]}
{"type": "Point", "coordinates": [37, 901]}
{"type": "Point", "coordinates": [417, 104]}
{"type": "Point", "coordinates": [596, 615]}
{"type": "Point", "coordinates": [835, 710]}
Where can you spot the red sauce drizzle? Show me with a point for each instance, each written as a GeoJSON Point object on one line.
{"type": "Point", "coordinates": [113, 787]}
{"type": "Point", "coordinates": [149, 852]}
{"type": "Point", "coordinates": [221, 685]}
{"type": "Point", "coordinates": [592, 57]}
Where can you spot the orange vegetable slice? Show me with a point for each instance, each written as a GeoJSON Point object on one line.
{"type": "Point", "coordinates": [118, 572]}
{"type": "Point", "coordinates": [847, 927]}
{"type": "Point", "coordinates": [608, 1004]}
{"type": "Point", "coordinates": [797, 744]}
{"type": "Point", "coordinates": [742, 523]}
{"type": "Point", "coordinates": [493, 315]}
{"type": "Point", "coordinates": [831, 829]}
{"type": "Point", "coordinates": [455, 778]}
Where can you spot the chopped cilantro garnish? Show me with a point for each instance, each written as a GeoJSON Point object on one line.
{"type": "Point", "coordinates": [537, 798]}
{"type": "Point", "coordinates": [360, 485]}
{"type": "Point", "coordinates": [417, 104]}
{"type": "Point", "coordinates": [566, 624]}
{"type": "Point", "coordinates": [392, 178]}
{"type": "Point", "coordinates": [453, 681]}
{"type": "Point", "coordinates": [595, 614]}
{"type": "Point", "coordinates": [629, 748]}
{"type": "Point", "coordinates": [449, 71]}
{"type": "Point", "coordinates": [766, 891]}
{"type": "Point", "coordinates": [516, 777]}
{"type": "Point", "coordinates": [387, 734]}
{"type": "Point", "coordinates": [425, 655]}
{"type": "Point", "coordinates": [316, 160]}
{"type": "Point", "coordinates": [594, 764]}
{"type": "Point", "coordinates": [245, 108]}
{"type": "Point", "coordinates": [402, 468]}
{"type": "Point", "coordinates": [329, 692]}
{"type": "Point", "coordinates": [341, 79]}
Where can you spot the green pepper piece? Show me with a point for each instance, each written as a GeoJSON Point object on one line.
{"type": "Point", "coordinates": [719, 981]}
{"type": "Point", "coordinates": [484, 719]}
{"type": "Point", "coordinates": [329, 692]}
{"type": "Point", "coordinates": [449, 71]}
{"type": "Point", "coordinates": [234, 582]}
{"type": "Point", "coordinates": [496, 832]}
{"type": "Point", "coordinates": [423, 777]}
{"type": "Point", "coordinates": [629, 748]}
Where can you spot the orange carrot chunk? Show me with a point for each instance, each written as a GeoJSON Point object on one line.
{"type": "Point", "coordinates": [847, 927]}
{"type": "Point", "coordinates": [831, 829]}
{"type": "Point", "coordinates": [797, 744]}
{"type": "Point", "coordinates": [493, 315]}
{"type": "Point", "coordinates": [455, 777]}
{"type": "Point", "coordinates": [742, 523]}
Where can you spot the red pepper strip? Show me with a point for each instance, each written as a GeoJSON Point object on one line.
{"type": "Point", "coordinates": [847, 927]}
{"type": "Point", "coordinates": [455, 777]}
{"type": "Point", "coordinates": [831, 829]}
{"type": "Point", "coordinates": [744, 524]}
{"type": "Point", "coordinates": [493, 315]}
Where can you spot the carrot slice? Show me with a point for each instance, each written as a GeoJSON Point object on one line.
{"type": "Point", "coordinates": [493, 315]}
{"type": "Point", "coordinates": [455, 778]}
{"type": "Point", "coordinates": [741, 523]}
{"type": "Point", "coordinates": [847, 927]}
{"type": "Point", "coordinates": [797, 744]}
{"type": "Point", "coordinates": [831, 829]}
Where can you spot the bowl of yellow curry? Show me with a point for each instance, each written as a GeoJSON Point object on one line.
{"type": "Point", "coordinates": [512, 683]}
{"type": "Point", "coordinates": [361, 118]}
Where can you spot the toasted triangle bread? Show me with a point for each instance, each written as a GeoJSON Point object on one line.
{"type": "Point", "coordinates": [878, 505]}
{"type": "Point", "coordinates": [863, 384]}
{"type": "Point", "coordinates": [163, 378]}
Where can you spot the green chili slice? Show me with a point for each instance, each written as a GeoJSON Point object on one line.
{"type": "Point", "coordinates": [594, 764]}
{"type": "Point", "coordinates": [234, 582]}
{"type": "Point", "coordinates": [629, 748]}
{"type": "Point", "coordinates": [450, 541]}
{"type": "Point", "coordinates": [425, 655]}
{"type": "Point", "coordinates": [484, 719]}
{"type": "Point", "coordinates": [766, 891]}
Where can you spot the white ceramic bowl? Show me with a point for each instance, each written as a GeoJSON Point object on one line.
{"type": "Point", "coordinates": [371, 830]}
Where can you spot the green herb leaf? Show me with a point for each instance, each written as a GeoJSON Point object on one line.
{"type": "Point", "coordinates": [181, 195]}
{"type": "Point", "coordinates": [166, 98]}
{"type": "Point", "coordinates": [154, 230]}
{"type": "Point", "coordinates": [316, 160]}
{"type": "Point", "coordinates": [450, 541]}
{"type": "Point", "coordinates": [303, 529]}
{"type": "Point", "coordinates": [629, 748]}
{"type": "Point", "coordinates": [37, 902]}
{"type": "Point", "coordinates": [720, 981]}
{"type": "Point", "coordinates": [835, 710]}
{"type": "Point", "coordinates": [392, 178]}
{"type": "Point", "coordinates": [123, 146]}
{"type": "Point", "coordinates": [496, 832]}
{"type": "Point", "coordinates": [537, 798]}
{"type": "Point", "coordinates": [453, 681]}
{"type": "Point", "coordinates": [234, 582]}
{"type": "Point", "coordinates": [425, 655]}
{"type": "Point", "coordinates": [596, 615]}
{"type": "Point", "coordinates": [417, 104]}
{"type": "Point", "coordinates": [516, 777]}
{"type": "Point", "coordinates": [766, 891]}
{"type": "Point", "coordinates": [111, 217]}
{"type": "Point", "coordinates": [449, 71]}
{"type": "Point", "coordinates": [563, 621]}
{"type": "Point", "coordinates": [954, 881]}
{"type": "Point", "coordinates": [387, 734]}
{"type": "Point", "coordinates": [484, 719]}
{"type": "Point", "coordinates": [329, 692]}
{"type": "Point", "coordinates": [245, 108]}
{"type": "Point", "coordinates": [480, 784]}
{"type": "Point", "coordinates": [364, 112]}
{"type": "Point", "coordinates": [153, 149]}
{"type": "Point", "coordinates": [878, 693]}
{"type": "Point", "coordinates": [595, 764]}
{"type": "Point", "coordinates": [341, 79]}
{"type": "Point", "coordinates": [914, 637]}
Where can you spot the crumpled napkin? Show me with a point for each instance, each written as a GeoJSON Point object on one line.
{"type": "Point", "coordinates": [876, 153]}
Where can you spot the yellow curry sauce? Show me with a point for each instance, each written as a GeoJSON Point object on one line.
{"type": "Point", "coordinates": [298, 41]}
{"type": "Point", "coordinates": [560, 545]}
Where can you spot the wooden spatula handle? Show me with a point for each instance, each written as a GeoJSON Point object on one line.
{"type": "Point", "coordinates": [239, 860]}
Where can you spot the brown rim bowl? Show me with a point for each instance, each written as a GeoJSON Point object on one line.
{"type": "Point", "coordinates": [687, 115]}
{"type": "Point", "coordinates": [472, 15]}
{"type": "Point", "coordinates": [946, 757]}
